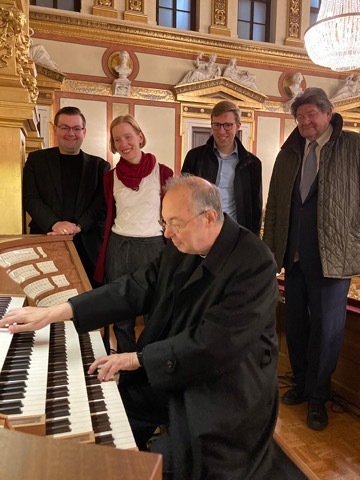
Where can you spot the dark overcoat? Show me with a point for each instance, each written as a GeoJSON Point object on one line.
{"type": "Point", "coordinates": [210, 343]}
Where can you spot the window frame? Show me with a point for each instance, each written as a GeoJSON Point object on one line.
{"type": "Point", "coordinates": [77, 5]}
{"type": "Point", "coordinates": [251, 22]}
{"type": "Point", "coordinates": [174, 10]}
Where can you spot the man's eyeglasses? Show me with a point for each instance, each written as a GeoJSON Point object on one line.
{"type": "Point", "coordinates": [66, 128]}
{"type": "Point", "coordinates": [178, 227]}
{"type": "Point", "coordinates": [310, 116]}
{"type": "Point", "coordinates": [227, 126]}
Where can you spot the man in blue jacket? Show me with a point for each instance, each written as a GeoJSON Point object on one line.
{"type": "Point", "coordinates": [224, 161]}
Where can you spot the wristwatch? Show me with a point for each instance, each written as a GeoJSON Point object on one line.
{"type": "Point", "coordinates": [140, 358]}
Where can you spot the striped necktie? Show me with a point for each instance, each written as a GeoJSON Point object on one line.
{"type": "Point", "coordinates": [309, 171]}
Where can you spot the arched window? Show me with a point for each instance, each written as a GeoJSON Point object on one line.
{"type": "Point", "coordinates": [254, 20]}
{"type": "Point", "coordinates": [72, 5]}
{"type": "Point", "coordinates": [176, 14]}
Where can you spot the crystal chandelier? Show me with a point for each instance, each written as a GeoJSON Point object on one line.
{"type": "Point", "coordinates": [334, 40]}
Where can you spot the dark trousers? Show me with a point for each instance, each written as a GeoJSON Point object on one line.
{"type": "Point", "coordinates": [315, 320]}
{"type": "Point", "coordinates": [125, 255]}
{"type": "Point", "coordinates": [145, 409]}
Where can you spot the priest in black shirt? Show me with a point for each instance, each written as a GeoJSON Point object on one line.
{"type": "Point", "coordinates": [63, 188]}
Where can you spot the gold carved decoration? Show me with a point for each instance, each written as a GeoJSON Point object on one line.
{"type": "Point", "coordinates": [219, 13]}
{"type": "Point", "coordinates": [104, 8]}
{"type": "Point", "coordinates": [135, 6]}
{"type": "Point", "coordinates": [134, 11]}
{"type": "Point", "coordinates": [294, 23]}
{"type": "Point", "coordinates": [14, 42]}
{"type": "Point", "coordinates": [12, 22]}
{"type": "Point", "coordinates": [105, 3]}
{"type": "Point", "coordinates": [104, 89]}
{"type": "Point", "coordinates": [219, 18]}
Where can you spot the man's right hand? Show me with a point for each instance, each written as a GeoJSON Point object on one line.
{"type": "Point", "coordinates": [64, 228]}
{"type": "Point", "coordinates": [29, 319]}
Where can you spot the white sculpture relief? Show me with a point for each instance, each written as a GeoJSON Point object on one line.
{"type": "Point", "coordinates": [243, 77]}
{"type": "Point", "coordinates": [121, 85]}
{"type": "Point", "coordinates": [349, 88]}
{"type": "Point", "coordinates": [203, 71]}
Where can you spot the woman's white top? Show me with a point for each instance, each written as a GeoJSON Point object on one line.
{"type": "Point", "coordinates": [138, 212]}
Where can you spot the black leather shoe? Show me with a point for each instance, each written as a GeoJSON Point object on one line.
{"type": "Point", "coordinates": [292, 397]}
{"type": "Point", "coordinates": [317, 418]}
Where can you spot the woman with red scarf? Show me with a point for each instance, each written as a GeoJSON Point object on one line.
{"type": "Point", "coordinates": [133, 235]}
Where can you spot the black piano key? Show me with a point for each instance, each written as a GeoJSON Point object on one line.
{"type": "Point", "coordinates": [16, 363]}
{"type": "Point", "coordinates": [5, 387]}
{"type": "Point", "coordinates": [98, 406]}
{"type": "Point", "coordinates": [13, 376]}
{"type": "Point", "coordinates": [91, 380]}
{"type": "Point", "coordinates": [12, 394]}
{"type": "Point", "coordinates": [55, 392]}
{"type": "Point", "coordinates": [106, 439]}
{"type": "Point", "coordinates": [95, 393]}
{"type": "Point", "coordinates": [10, 410]}
{"type": "Point", "coordinates": [57, 405]}
{"type": "Point", "coordinates": [15, 404]}
{"type": "Point", "coordinates": [56, 379]}
{"type": "Point", "coordinates": [101, 423]}
{"type": "Point", "coordinates": [58, 426]}
{"type": "Point", "coordinates": [58, 413]}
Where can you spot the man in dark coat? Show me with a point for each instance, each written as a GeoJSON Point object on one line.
{"type": "Point", "coordinates": [206, 360]}
{"type": "Point", "coordinates": [312, 227]}
{"type": "Point", "coordinates": [63, 188]}
{"type": "Point", "coordinates": [224, 161]}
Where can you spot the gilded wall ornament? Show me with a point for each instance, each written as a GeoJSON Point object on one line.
{"type": "Point", "coordinates": [134, 5]}
{"type": "Point", "coordinates": [14, 42]}
{"type": "Point", "coordinates": [220, 13]}
{"type": "Point", "coordinates": [105, 3]}
{"type": "Point", "coordinates": [12, 22]}
{"type": "Point", "coordinates": [294, 19]}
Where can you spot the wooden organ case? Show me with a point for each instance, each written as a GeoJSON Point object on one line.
{"type": "Point", "coordinates": [44, 387]}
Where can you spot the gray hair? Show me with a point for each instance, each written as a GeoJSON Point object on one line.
{"type": "Point", "coordinates": [204, 195]}
{"type": "Point", "coordinates": [313, 95]}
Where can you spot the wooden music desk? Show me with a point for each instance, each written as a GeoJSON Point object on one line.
{"type": "Point", "coordinates": [29, 457]}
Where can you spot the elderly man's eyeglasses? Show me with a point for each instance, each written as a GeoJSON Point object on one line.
{"type": "Point", "coordinates": [66, 128]}
{"type": "Point", "coordinates": [178, 227]}
{"type": "Point", "coordinates": [310, 116]}
{"type": "Point", "coordinates": [227, 126]}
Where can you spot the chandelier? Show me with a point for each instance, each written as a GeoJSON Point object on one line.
{"type": "Point", "coordinates": [334, 40]}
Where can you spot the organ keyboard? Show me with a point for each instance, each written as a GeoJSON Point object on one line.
{"type": "Point", "coordinates": [44, 385]}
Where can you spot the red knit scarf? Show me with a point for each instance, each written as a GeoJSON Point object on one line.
{"type": "Point", "coordinates": [131, 174]}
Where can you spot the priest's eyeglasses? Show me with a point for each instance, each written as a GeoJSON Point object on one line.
{"type": "Point", "coordinates": [178, 227]}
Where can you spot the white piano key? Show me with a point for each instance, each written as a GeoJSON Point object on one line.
{"type": "Point", "coordinates": [120, 427]}
{"type": "Point", "coordinates": [79, 417]}
{"type": "Point", "coordinates": [35, 392]}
